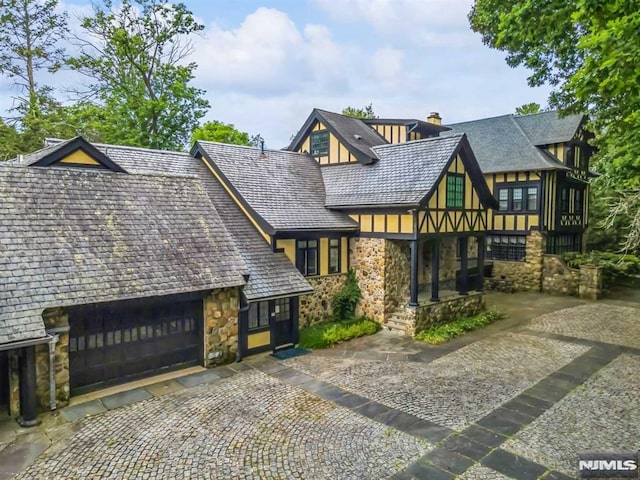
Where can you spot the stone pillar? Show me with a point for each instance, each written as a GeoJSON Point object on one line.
{"type": "Point", "coordinates": [435, 270]}
{"type": "Point", "coordinates": [482, 249]}
{"type": "Point", "coordinates": [14, 383]}
{"type": "Point", "coordinates": [55, 320]}
{"type": "Point", "coordinates": [536, 247]}
{"type": "Point", "coordinates": [413, 297]}
{"type": "Point", "coordinates": [368, 257]}
{"type": "Point", "coordinates": [221, 326]}
{"type": "Point", "coordinates": [590, 282]}
{"type": "Point", "coordinates": [464, 266]}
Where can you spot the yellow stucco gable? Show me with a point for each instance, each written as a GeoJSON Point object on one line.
{"type": "Point", "coordinates": [79, 157]}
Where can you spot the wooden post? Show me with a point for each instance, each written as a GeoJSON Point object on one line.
{"type": "Point", "coordinates": [464, 266]}
{"type": "Point", "coordinates": [413, 300]}
{"type": "Point", "coordinates": [28, 396]}
{"type": "Point", "coordinates": [435, 270]}
{"type": "Point", "coordinates": [481, 253]}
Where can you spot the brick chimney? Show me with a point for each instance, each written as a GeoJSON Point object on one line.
{"type": "Point", "coordinates": [434, 117]}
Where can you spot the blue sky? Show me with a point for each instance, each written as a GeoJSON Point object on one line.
{"type": "Point", "coordinates": [265, 65]}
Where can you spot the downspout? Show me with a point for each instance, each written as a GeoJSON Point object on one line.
{"type": "Point", "coordinates": [52, 373]}
{"type": "Point", "coordinates": [244, 307]}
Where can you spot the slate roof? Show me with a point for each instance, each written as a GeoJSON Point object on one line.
{"type": "Point", "coordinates": [500, 144]}
{"type": "Point", "coordinates": [405, 174]}
{"type": "Point", "coordinates": [78, 236]}
{"type": "Point", "coordinates": [284, 190]}
{"type": "Point", "coordinates": [353, 133]}
{"type": "Point", "coordinates": [413, 124]}
{"type": "Point", "coordinates": [270, 274]}
{"type": "Point", "coordinates": [546, 128]}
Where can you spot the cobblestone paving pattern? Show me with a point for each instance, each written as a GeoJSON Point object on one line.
{"type": "Point", "coordinates": [455, 390]}
{"type": "Point", "coordinates": [479, 472]}
{"type": "Point", "coordinates": [603, 414]}
{"type": "Point", "coordinates": [600, 322]}
{"type": "Point", "coordinates": [248, 426]}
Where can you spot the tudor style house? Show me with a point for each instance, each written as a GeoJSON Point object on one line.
{"type": "Point", "coordinates": [120, 262]}
{"type": "Point", "coordinates": [537, 167]}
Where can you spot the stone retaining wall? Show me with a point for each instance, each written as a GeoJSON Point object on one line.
{"type": "Point", "coordinates": [221, 326]}
{"type": "Point", "coordinates": [316, 307]}
{"type": "Point", "coordinates": [558, 278]}
{"type": "Point", "coordinates": [527, 275]}
{"type": "Point", "coordinates": [446, 310]}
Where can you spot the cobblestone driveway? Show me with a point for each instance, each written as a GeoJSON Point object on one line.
{"type": "Point", "coordinates": [518, 403]}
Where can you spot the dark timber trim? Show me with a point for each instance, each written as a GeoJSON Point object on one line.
{"type": "Point", "coordinates": [78, 143]}
{"type": "Point", "coordinates": [464, 265]}
{"type": "Point", "coordinates": [482, 249]}
{"type": "Point", "coordinates": [435, 270]}
{"type": "Point", "coordinates": [413, 301]}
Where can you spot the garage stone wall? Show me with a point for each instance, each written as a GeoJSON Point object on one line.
{"type": "Point", "coordinates": [558, 278]}
{"type": "Point", "coordinates": [521, 276]}
{"type": "Point", "coordinates": [316, 307]}
{"type": "Point", "coordinates": [54, 318]}
{"type": "Point", "coordinates": [221, 326]}
{"type": "Point", "coordinates": [367, 256]}
{"type": "Point", "coordinates": [444, 311]}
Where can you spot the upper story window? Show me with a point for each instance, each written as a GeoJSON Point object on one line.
{"type": "Point", "coordinates": [307, 257]}
{"type": "Point", "coordinates": [455, 190]}
{"type": "Point", "coordinates": [579, 201]}
{"type": "Point", "coordinates": [564, 200]}
{"type": "Point", "coordinates": [518, 199]}
{"type": "Point", "coordinates": [320, 143]}
{"type": "Point", "coordinates": [334, 255]}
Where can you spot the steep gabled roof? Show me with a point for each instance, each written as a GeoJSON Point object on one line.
{"type": "Point", "coordinates": [420, 126]}
{"type": "Point", "coordinates": [282, 190]}
{"type": "Point", "coordinates": [353, 133]}
{"type": "Point", "coordinates": [546, 128]}
{"type": "Point", "coordinates": [501, 145]}
{"type": "Point", "coordinates": [271, 274]}
{"type": "Point", "coordinates": [79, 236]}
{"type": "Point", "coordinates": [56, 151]}
{"type": "Point", "coordinates": [405, 176]}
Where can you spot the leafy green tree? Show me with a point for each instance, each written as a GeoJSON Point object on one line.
{"type": "Point", "coordinates": [529, 108]}
{"type": "Point", "coordinates": [134, 58]}
{"type": "Point", "coordinates": [10, 142]}
{"type": "Point", "coordinates": [216, 131]}
{"type": "Point", "coordinates": [30, 34]}
{"type": "Point", "coordinates": [364, 112]}
{"type": "Point", "coordinates": [588, 51]}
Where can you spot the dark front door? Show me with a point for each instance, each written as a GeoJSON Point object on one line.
{"type": "Point", "coordinates": [116, 342]}
{"type": "Point", "coordinates": [283, 327]}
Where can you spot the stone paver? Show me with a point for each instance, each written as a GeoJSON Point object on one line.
{"type": "Point", "coordinates": [601, 415]}
{"type": "Point", "coordinates": [600, 322]}
{"type": "Point", "coordinates": [454, 390]}
{"type": "Point", "coordinates": [480, 472]}
{"type": "Point", "coordinates": [247, 426]}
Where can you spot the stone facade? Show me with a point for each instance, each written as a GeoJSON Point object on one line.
{"type": "Point", "coordinates": [397, 275]}
{"type": "Point", "coordinates": [54, 318]}
{"type": "Point", "coordinates": [448, 262]}
{"type": "Point", "coordinates": [221, 326]}
{"type": "Point", "coordinates": [367, 258]}
{"type": "Point", "coordinates": [446, 310]}
{"type": "Point", "coordinates": [527, 275]}
{"type": "Point", "coordinates": [558, 278]}
{"type": "Point", "coordinates": [316, 307]}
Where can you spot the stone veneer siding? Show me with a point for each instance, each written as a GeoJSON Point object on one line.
{"type": "Point", "coordinates": [221, 326]}
{"type": "Point", "coordinates": [316, 307]}
{"type": "Point", "coordinates": [446, 310]}
{"type": "Point", "coordinates": [54, 318]}
{"type": "Point", "coordinates": [367, 258]}
{"type": "Point", "coordinates": [527, 275]}
{"type": "Point", "coordinates": [590, 282]}
{"type": "Point", "coordinates": [397, 275]}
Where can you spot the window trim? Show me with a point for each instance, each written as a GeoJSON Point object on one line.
{"type": "Point", "coordinates": [524, 187]}
{"type": "Point", "coordinates": [338, 248]}
{"type": "Point", "coordinates": [314, 136]}
{"type": "Point", "coordinates": [259, 305]}
{"type": "Point", "coordinates": [302, 254]}
{"type": "Point", "coordinates": [516, 249]}
{"type": "Point", "coordinates": [449, 198]}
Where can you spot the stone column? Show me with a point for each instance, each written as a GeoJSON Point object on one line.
{"type": "Point", "coordinates": [413, 300]}
{"type": "Point", "coordinates": [464, 265]}
{"type": "Point", "coordinates": [435, 270]}
{"type": "Point", "coordinates": [590, 282]}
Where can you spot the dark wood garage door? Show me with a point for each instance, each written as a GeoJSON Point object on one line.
{"type": "Point", "coordinates": [118, 342]}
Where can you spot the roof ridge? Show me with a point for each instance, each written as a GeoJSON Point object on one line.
{"type": "Point", "coordinates": [420, 140]}
{"type": "Point", "coordinates": [112, 145]}
{"type": "Point", "coordinates": [250, 147]}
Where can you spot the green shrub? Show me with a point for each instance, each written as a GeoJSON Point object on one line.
{"type": "Point", "coordinates": [344, 302]}
{"type": "Point", "coordinates": [324, 335]}
{"type": "Point", "coordinates": [442, 333]}
{"type": "Point", "coordinates": [616, 267]}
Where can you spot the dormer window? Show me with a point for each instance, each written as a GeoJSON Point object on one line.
{"type": "Point", "coordinates": [320, 143]}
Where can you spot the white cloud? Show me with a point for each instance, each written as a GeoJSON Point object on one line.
{"type": "Point", "coordinates": [387, 67]}
{"type": "Point", "coordinates": [268, 54]}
